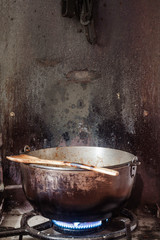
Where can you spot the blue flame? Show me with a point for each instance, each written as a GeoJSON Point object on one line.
{"type": "Point", "coordinates": [77, 225]}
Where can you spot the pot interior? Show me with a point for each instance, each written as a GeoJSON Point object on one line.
{"type": "Point", "coordinates": [96, 156]}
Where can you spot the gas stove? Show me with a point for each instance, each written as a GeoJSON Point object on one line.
{"type": "Point", "coordinates": [109, 229]}
{"type": "Point", "coordinates": [20, 222]}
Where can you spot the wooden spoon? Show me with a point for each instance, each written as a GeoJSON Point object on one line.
{"type": "Point", "coordinates": [23, 158]}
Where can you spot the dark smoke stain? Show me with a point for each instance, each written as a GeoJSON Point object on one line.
{"type": "Point", "coordinates": [80, 104]}
{"type": "Point", "coordinates": [66, 136]}
{"type": "Point", "coordinates": [112, 133]}
{"type": "Point", "coordinates": [27, 131]}
{"type": "Point", "coordinates": [146, 144]}
{"type": "Point", "coordinates": [71, 125]}
{"type": "Point", "coordinates": [96, 109]}
{"type": "Point", "coordinates": [84, 137]}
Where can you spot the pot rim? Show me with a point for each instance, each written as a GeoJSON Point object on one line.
{"type": "Point", "coordinates": [79, 169]}
{"type": "Point", "coordinates": [117, 166]}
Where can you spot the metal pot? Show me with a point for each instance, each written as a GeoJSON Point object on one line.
{"type": "Point", "coordinates": [70, 194]}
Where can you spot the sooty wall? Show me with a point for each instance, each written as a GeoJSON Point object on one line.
{"type": "Point", "coordinates": [57, 89]}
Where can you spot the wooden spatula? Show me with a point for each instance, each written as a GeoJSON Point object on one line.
{"type": "Point", "coordinates": [23, 158]}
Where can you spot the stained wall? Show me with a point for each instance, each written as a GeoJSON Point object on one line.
{"type": "Point", "coordinates": [59, 90]}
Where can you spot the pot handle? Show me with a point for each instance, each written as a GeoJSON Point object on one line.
{"type": "Point", "coordinates": [26, 148]}
{"type": "Point", "coordinates": [133, 166]}
{"type": "Point", "coordinates": [135, 162]}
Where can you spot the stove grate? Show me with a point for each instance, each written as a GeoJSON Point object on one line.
{"type": "Point", "coordinates": [126, 223]}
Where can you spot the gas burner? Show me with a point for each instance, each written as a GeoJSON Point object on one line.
{"type": "Point", "coordinates": [78, 228]}
{"type": "Point", "coordinates": [77, 225]}
{"type": "Point", "coordinates": [116, 227]}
